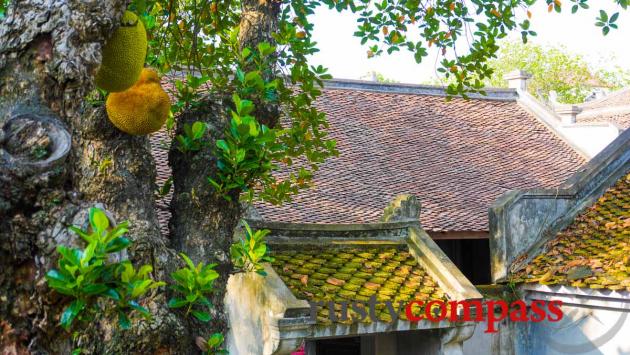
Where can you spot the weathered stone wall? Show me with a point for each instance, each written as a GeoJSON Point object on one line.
{"type": "Point", "coordinates": [521, 220]}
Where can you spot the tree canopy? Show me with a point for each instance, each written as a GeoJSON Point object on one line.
{"type": "Point", "coordinates": [201, 38]}
{"type": "Point", "coordinates": [554, 69]}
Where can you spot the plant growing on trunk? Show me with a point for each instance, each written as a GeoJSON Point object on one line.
{"type": "Point", "coordinates": [193, 283]}
{"type": "Point", "coordinates": [93, 281]}
{"type": "Point", "coordinates": [250, 252]}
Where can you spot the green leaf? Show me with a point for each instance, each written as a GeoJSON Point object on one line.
{"type": "Point", "coordinates": [113, 294]}
{"type": "Point", "coordinates": [144, 271]}
{"type": "Point", "coordinates": [128, 272]}
{"type": "Point", "coordinates": [88, 254]}
{"type": "Point", "coordinates": [198, 129]}
{"type": "Point", "coordinates": [87, 237]}
{"type": "Point", "coordinates": [614, 17]}
{"type": "Point", "coordinates": [215, 340]}
{"type": "Point", "coordinates": [71, 312]}
{"type": "Point", "coordinates": [123, 321]}
{"type": "Point", "coordinates": [55, 275]}
{"type": "Point", "coordinates": [117, 245]}
{"type": "Point", "coordinates": [95, 289]}
{"type": "Point", "coordinates": [189, 262]}
{"type": "Point", "coordinates": [221, 144]}
{"type": "Point", "coordinates": [202, 316]}
{"type": "Point", "coordinates": [98, 219]}
{"type": "Point", "coordinates": [141, 288]}
{"type": "Point", "coordinates": [177, 303]}
{"type": "Point", "coordinates": [143, 311]}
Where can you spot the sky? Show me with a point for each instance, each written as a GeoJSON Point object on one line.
{"type": "Point", "coordinates": [346, 58]}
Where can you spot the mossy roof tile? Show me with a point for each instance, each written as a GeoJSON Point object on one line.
{"type": "Point", "coordinates": [592, 252]}
{"type": "Point", "coordinates": [355, 274]}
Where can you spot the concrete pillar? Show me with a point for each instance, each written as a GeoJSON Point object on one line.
{"type": "Point", "coordinates": [517, 79]}
{"type": "Point", "coordinates": [452, 339]}
{"type": "Point", "coordinates": [568, 113]}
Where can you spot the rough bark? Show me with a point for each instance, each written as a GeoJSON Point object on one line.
{"type": "Point", "coordinates": [49, 52]}
{"type": "Point", "coordinates": [259, 19]}
{"type": "Point", "coordinates": [203, 222]}
{"type": "Point", "coordinates": [59, 156]}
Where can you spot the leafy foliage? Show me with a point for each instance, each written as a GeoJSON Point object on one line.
{"type": "Point", "coordinates": [553, 69]}
{"type": "Point", "coordinates": [194, 284]}
{"type": "Point", "coordinates": [4, 5]}
{"type": "Point", "coordinates": [245, 154]}
{"type": "Point", "coordinates": [606, 22]}
{"type": "Point", "coordinates": [92, 280]}
{"type": "Point", "coordinates": [250, 252]}
{"type": "Point", "coordinates": [192, 139]}
{"type": "Point", "coordinates": [202, 37]}
{"type": "Point", "coordinates": [212, 346]}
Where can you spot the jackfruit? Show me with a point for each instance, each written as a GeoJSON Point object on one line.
{"type": "Point", "coordinates": [123, 55]}
{"type": "Point", "coordinates": [142, 109]}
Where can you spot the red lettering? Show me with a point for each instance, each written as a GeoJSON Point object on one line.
{"type": "Point", "coordinates": [492, 315]}
{"type": "Point", "coordinates": [537, 308]}
{"type": "Point", "coordinates": [466, 306]}
{"type": "Point", "coordinates": [518, 312]}
{"type": "Point", "coordinates": [428, 311]}
{"type": "Point", "coordinates": [554, 307]}
{"type": "Point", "coordinates": [409, 311]}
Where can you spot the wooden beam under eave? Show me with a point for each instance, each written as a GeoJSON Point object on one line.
{"type": "Point", "coordinates": [458, 235]}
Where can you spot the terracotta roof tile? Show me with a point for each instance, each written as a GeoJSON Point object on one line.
{"type": "Point", "coordinates": [617, 98]}
{"type": "Point", "coordinates": [456, 157]}
{"type": "Point", "coordinates": [160, 143]}
{"type": "Point", "coordinates": [621, 119]}
{"type": "Point", "coordinates": [614, 108]}
{"type": "Point", "coordinates": [594, 251]}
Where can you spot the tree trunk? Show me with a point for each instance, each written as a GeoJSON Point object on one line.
{"type": "Point", "coordinates": [59, 155]}
{"type": "Point", "coordinates": [259, 19]}
{"type": "Point", "coordinates": [49, 52]}
{"type": "Point", "coordinates": [203, 222]}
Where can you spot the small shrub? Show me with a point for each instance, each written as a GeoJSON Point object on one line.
{"type": "Point", "coordinates": [212, 346]}
{"type": "Point", "coordinates": [249, 253]}
{"type": "Point", "coordinates": [192, 139]}
{"type": "Point", "coordinates": [92, 281]}
{"type": "Point", "coordinates": [194, 284]}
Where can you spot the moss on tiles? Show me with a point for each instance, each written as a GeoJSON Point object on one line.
{"type": "Point", "coordinates": [593, 252]}
{"type": "Point", "coordinates": [354, 273]}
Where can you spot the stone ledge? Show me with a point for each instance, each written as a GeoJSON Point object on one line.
{"type": "Point", "coordinates": [523, 220]}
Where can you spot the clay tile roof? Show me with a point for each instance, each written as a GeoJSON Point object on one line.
{"type": "Point", "coordinates": [334, 273]}
{"type": "Point", "coordinates": [457, 157]}
{"type": "Point", "coordinates": [613, 108]}
{"type": "Point", "coordinates": [160, 142]}
{"type": "Point", "coordinates": [592, 252]}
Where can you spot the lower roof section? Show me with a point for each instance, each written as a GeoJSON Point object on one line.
{"type": "Point", "coordinates": [394, 262]}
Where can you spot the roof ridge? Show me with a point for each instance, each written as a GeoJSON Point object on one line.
{"type": "Point", "coordinates": [619, 92]}
{"type": "Point", "coordinates": [501, 94]}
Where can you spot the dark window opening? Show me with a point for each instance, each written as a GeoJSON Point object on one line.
{"type": "Point", "coordinates": [339, 346]}
{"type": "Point", "coordinates": [471, 256]}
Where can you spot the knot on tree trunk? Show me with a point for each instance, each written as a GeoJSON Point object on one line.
{"type": "Point", "coordinates": [33, 143]}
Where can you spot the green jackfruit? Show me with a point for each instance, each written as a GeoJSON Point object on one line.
{"type": "Point", "coordinates": [123, 55]}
